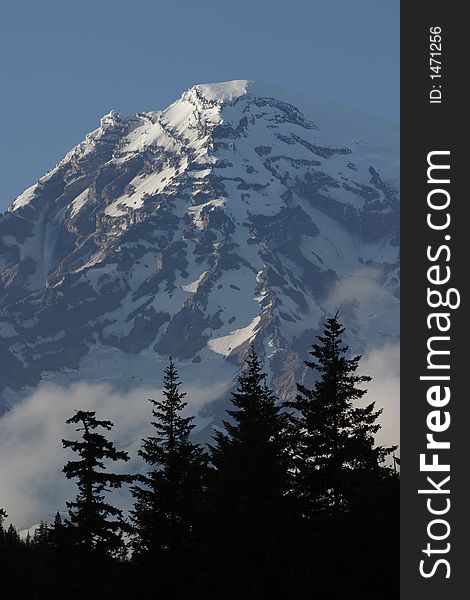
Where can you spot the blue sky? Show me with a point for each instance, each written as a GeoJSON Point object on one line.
{"type": "Point", "coordinates": [63, 64]}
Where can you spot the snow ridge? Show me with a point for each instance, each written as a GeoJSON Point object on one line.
{"type": "Point", "coordinates": [239, 214]}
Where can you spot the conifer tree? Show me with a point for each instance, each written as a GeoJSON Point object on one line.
{"type": "Point", "coordinates": [170, 495]}
{"type": "Point", "coordinates": [96, 523]}
{"type": "Point", "coordinates": [336, 452]}
{"type": "Point", "coordinates": [3, 516]}
{"type": "Point", "coordinates": [347, 496]}
{"type": "Point", "coordinates": [12, 555]}
{"type": "Point", "coordinates": [41, 535]}
{"type": "Point", "coordinates": [58, 523]}
{"type": "Point", "coordinates": [248, 511]}
{"type": "Point", "coordinates": [60, 536]}
{"type": "Point", "coordinates": [12, 534]}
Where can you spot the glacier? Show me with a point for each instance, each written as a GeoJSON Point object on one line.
{"type": "Point", "coordinates": [241, 214]}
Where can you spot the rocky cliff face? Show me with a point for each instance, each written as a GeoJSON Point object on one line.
{"type": "Point", "coordinates": [240, 214]}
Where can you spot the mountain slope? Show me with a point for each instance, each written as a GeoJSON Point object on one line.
{"type": "Point", "coordinates": [240, 214]}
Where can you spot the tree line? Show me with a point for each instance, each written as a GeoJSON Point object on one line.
{"type": "Point", "coordinates": [289, 500]}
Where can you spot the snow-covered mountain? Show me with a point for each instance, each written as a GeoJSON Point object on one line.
{"type": "Point", "coordinates": [241, 213]}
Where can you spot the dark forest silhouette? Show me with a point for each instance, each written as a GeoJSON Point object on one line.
{"type": "Point", "coordinates": [289, 500]}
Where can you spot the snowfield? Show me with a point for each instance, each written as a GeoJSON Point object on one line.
{"type": "Point", "coordinates": [240, 214]}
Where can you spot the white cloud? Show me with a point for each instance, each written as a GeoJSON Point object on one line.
{"type": "Point", "coordinates": [32, 485]}
{"type": "Point", "coordinates": [363, 285]}
{"type": "Point", "coordinates": [383, 365]}
{"type": "Point", "coordinates": [371, 312]}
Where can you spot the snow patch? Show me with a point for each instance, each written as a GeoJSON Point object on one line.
{"type": "Point", "coordinates": [225, 91]}
{"type": "Point", "coordinates": [226, 344]}
{"type": "Point", "coordinates": [24, 198]}
{"type": "Point", "coordinates": [192, 287]}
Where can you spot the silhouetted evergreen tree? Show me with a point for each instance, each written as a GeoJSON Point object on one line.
{"type": "Point", "coordinates": [292, 506]}
{"type": "Point", "coordinates": [13, 562]}
{"type": "Point", "coordinates": [170, 497]}
{"type": "Point", "coordinates": [3, 533]}
{"type": "Point", "coordinates": [41, 535]}
{"type": "Point", "coordinates": [12, 534]}
{"type": "Point", "coordinates": [57, 527]}
{"type": "Point", "coordinates": [3, 516]}
{"type": "Point", "coordinates": [341, 481]}
{"type": "Point", "coordinates": [97, 524]}
{"type": "Point", "coordinates": [62, 540]}
{"type": "Point", "coordinates": [336, 451]}
{"type": "Point", "coordinates": [248, 512]}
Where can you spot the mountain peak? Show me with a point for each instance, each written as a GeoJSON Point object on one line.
{"type": "Point", "coordinates": [239, 214]}
{"type": "Point", "coordinates": [225, 91]}
{"type": "Point", "coordinates": [110, 120]}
